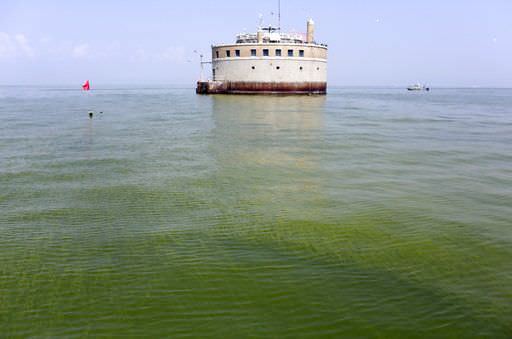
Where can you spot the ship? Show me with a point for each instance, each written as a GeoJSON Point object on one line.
{"type": "Point", "coordinates": [418, 87]}
{"type": "Point", "coordinates": [268, 62]}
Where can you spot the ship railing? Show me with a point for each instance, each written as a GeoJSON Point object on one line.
{"type": "Point", "coordinates": [267, 41]}
{"type": "Point", "coordinates": [274, 37]}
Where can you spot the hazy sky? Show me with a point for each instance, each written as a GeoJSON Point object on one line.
{"type": "Point", "coordinates": [380, 43]}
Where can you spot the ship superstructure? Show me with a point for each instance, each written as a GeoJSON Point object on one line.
{"type": "Point", "coordinates": [269, 61]}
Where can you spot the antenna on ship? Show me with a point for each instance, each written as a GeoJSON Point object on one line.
{"type": "Point", "coordinates": [279, 15]}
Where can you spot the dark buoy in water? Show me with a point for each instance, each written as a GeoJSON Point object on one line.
{"type": "Point", "coordinates": [90, 115]}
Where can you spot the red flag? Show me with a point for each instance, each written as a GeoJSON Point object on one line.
{"type": "Point", "coordinates": [86, 86]}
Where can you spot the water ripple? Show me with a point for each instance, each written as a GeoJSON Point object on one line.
{"type": "Point", "coordinates": [369, 212]}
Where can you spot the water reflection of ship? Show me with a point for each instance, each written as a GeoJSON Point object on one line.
{"type": "Point", "coordinates": [266, 151]}
{"type": "Point", "coordinates": [266, 130]}
{"type": "Point", "coordinates": [277, 112]}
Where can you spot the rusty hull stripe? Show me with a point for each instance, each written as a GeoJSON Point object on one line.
{"type": "Point", "coordinates": [240, 87]}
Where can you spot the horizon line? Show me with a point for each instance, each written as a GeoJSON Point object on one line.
{"type": "Point", "coordinates": [188, 85]}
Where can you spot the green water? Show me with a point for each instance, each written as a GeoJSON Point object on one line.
{"type": "Point", "coordinates": [369, 212]}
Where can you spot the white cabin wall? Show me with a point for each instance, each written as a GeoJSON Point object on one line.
{"type": "Point", "coordinates": [240, 69]}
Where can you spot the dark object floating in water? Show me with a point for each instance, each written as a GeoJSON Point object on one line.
{"type": "Point", "coordinates": [91, 115]}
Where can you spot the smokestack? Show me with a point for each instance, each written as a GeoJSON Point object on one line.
{"type": "Point", "coordinates": [311, 32]}
{"type": "Point", "coordinates": [260, 36]}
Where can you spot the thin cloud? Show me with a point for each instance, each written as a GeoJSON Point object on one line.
{"type": "Point", "coordinates": [81, 51]}
{"type": "Point", "coordinates": [7, 48]}
{"type": "Point", "coordinates": [23, 45]}
{"type": "Point", "coordinates": [15, 46]}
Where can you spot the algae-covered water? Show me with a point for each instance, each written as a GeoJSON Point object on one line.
{"type": "Point", "coordinates": [368, 212]}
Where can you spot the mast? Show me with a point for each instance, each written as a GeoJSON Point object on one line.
{"type": "Point", "coordinates": [201, 63]}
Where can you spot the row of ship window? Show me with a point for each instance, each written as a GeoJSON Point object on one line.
{"type": "Point", "coordinates": [266, 52]}
{"type": "Point", "coordinates": [278, 68]}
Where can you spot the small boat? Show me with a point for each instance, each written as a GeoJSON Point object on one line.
{"type": "Point", "coordinates": [418, 87]}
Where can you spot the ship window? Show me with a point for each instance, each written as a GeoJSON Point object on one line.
{"type": "Point", "coordinates": [278, 52]}
{"type": "Point", "coordinates": [301, 53]}
{"type": "Point", "coordinates": [217, 54]}
{"type": "Point", "coordinates": [290, 52]}
{"type": "Point", "coordinates": [265, 52]}
{"type": "Point", "coordinates": [228, 54]}
{"type": "Point", "coordinates": [237, 53]}
{"type": "Point", "coordinates": [253, 52]}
